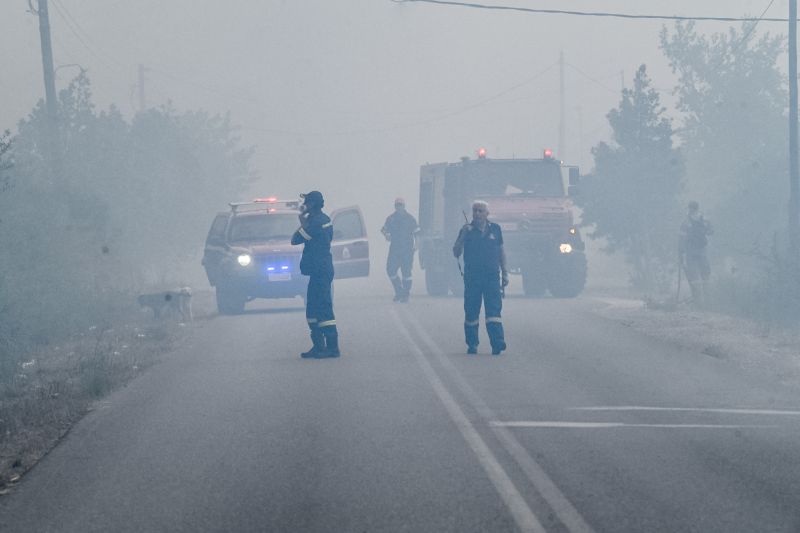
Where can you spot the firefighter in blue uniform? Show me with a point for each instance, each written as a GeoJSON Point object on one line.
{"type": "Point", "coordinates": [315, 233]}
{"type": "Point", "coordinates": [481, 242]}
{"type": "Point", "coordinates": [400, 230]}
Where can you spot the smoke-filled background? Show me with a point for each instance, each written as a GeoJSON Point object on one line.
{"type": "Point", "coordinates": [169, 110]}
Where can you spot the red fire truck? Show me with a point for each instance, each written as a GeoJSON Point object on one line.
{"type": "Point", "coordinates": [528, 198]}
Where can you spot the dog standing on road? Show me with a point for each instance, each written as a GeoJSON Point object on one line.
{"type": "Point", "coordinates": [176, 302]}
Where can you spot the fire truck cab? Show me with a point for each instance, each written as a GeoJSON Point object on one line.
{"type": "Point", "coordinates": [528, 198]}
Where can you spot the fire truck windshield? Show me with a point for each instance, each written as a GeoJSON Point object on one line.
{"type": "Point", "coordinates": [518, 178]}
{"type": "Point", "coordinates": [263, 227]}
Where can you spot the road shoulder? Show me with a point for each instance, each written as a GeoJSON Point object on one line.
{"type": "Point", "coordinates": [753, 346]}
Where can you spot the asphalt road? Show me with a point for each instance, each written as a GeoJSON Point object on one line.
{"type": "Point", "coordinates": [582, 425]}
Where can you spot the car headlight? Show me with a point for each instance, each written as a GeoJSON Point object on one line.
{"type": "Point", "coordinates": [565, 248]}
{"type": "Point", "coordinates": [244, 260]}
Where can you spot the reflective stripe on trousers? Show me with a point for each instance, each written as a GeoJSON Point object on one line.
{"type": "Point", "coordinates": [483, 288]}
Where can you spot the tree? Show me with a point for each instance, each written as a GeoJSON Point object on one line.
{"type": "Point", "coordinates": [5, 163]}
{"type": "Point", "coordinates": [631, 196]}
{"type": "Point", "coordinates": [733, 97]}
{"type": "Point", "coordinates": [131, 208]}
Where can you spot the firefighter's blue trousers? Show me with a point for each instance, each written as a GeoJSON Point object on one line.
{"type": "Point", "coordinates": [319, 311]}
{"type": "Point", "coordinates": [483, 287]}
{"type": "Point", "coordinates": [403, 261]}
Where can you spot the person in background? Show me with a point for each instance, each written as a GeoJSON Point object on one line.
{"type": "Point", "coordinates": [400, 229]}
{"type": "Point", "coordinates": [692, 246]}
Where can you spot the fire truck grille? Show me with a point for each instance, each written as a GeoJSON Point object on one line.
{"type": "Point", "coordinates": [543, 226]}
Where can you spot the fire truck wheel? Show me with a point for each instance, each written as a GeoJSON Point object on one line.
{"type": "Point", "coordinates": [533, 284]}
{"type": "Point", "coordinates": [435, 283]}
{"type": "Point", "coordinates": [229, 301]}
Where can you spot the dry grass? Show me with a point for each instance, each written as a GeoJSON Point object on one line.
{"type": "Point", "coordinates": [49, 389]}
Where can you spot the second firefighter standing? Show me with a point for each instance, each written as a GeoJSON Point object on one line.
{"type": "Point", "coordinates": [400, 230]}
{"type": "Point", "coordinates": [485, 275]}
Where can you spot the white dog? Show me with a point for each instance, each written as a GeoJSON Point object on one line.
{"type": "Point", "coordinates": [176, 302]}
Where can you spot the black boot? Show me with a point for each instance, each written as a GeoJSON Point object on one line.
{"type": "Point", "coordinates": [318, 340]}
{"type": "Point", "coordinates": [331, 343]}
{"type": "Point", "coordinates": [398, 288]}
{"type": "Point", "coordinates": [406, 290]}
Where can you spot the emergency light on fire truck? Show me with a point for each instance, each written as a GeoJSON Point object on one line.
{"type": "Point", "coordinates": [481, 153]}
{"type": "Point", "coordinates": [548, 153]}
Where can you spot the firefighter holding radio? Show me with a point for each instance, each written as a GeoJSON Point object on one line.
{"type": "Point", "coordinates": [315, 234]}
{"type": "Point", "coordinates": [481, 242]}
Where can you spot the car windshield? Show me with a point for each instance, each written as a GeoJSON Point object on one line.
{"type": "Point", "coordinates": [519, 178]}
{"type": "Point", "coordinates": [263, 227]}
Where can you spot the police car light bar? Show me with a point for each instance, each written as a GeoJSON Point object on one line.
{"type": "Point", "coordinates": [258, 204]}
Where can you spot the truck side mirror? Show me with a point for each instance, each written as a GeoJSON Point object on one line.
{"type": "Point", "coordinates": [574, 176]}
{"type": "Point", "coordinates": [573, 190]}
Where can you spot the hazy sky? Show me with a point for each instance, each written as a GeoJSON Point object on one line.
{"type": "Point", "coordinates": [351, 96]}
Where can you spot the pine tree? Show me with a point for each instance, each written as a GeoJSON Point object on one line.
{"type": "Point", "coordinates": [631, 198]}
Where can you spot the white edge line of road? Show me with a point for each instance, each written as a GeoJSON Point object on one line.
{"type": "Point", "coordinates": [523, 515]}
{"type": "Point", "coordinates": [739, 411]}
{"type": "Point", "coordinates": [592, 425]}
{"type": "Point", "coordinates": [561, 506]}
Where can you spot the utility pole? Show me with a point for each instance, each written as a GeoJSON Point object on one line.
{"type": "Point", "coordinates": [49, 87]}
{"type": "Point", "coordinates": [562, 149]}
{"type": "Point", "coordinates": [142, 101]}
{"type": "Point", "coordinates": [47, 61]}
{"type": "Point", "coordinates": [793, 162]}
{"type": "Point", "coordinates": [580, 136]}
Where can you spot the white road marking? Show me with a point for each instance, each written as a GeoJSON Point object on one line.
{"type": "Point", "coordinates": [591, 425]}
{"type": "Point", "coordinates": [697, 409]}
{"type": "Point", "coordinates": [523, 515]}
{"type": "Point", "coordinates": [561, 506]}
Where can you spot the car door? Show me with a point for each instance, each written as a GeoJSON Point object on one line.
{"type": "Point", "coordinates": [350, 246]}
{"type": "Point", "coordinates": [215, 248]}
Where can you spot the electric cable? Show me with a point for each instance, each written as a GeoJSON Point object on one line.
{"type": "Point", "coordinates": [422, 122]}
{"type": "Point", "coordinates": [590, 78]}
{"type": "Point", "coordinates": [589, 13]}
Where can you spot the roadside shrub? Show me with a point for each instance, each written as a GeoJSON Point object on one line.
{"type": "Point", "coordinates": [771, 295]}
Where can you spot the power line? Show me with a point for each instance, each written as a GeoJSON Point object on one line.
{"type": "Point", "coordinates": [407, 125]}
{"type": "Point", "coordinates": [589, 13]}
{"type": "Point", "coordinates": [106, 60]}
{"type": "Point", "coordinates": [64, 11]}
{"type": "Point", "coordinates": [207, 88]}
{"type": "Point", "coordinates": [593, 80]}
{"type": "Point", "coordinates": [753, 27]}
